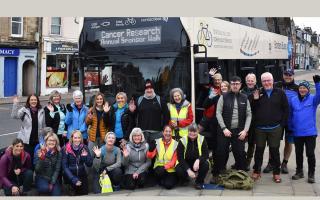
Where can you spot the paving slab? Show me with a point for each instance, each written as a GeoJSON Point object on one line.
{"type": "Point", "coordinates": [273, 189]}
{"type": "Point", "coordinates": [237, 193]}
{"type": "Point", "coordinates": [211, 192]}
{"type": "Point", "coordinates": [181, 191]}
{"type": "Point", "coordinates": [146, 192]}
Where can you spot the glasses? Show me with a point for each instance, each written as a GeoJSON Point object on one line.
{"type": "Point", "coordinates": [235, 83]}
{"type": "Point", "coordinates": [265, 81]}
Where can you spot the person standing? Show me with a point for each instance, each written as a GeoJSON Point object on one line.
{"type": "Point", "coordinates": [303, 112]}
{"type": "Point", "coordinates": [271, 110]}
{"type": "Point", "coordinates": [234, 118]}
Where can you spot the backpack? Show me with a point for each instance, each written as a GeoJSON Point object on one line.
{"type": "Point", "coordinates": [141, 98]}
{"type": "Point", "coordinates": [236, 179]}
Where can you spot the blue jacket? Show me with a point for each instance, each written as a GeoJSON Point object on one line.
{"type": "Point", "coordinates": [303, 114]}
{"type": "Point", "coordinates": [76, 121]}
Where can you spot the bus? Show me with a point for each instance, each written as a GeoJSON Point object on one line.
{"type": "Point", "coordinates": [120, 53]}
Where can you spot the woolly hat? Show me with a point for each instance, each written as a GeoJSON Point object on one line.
{"type": "Point", "coordinates": [149, 84]}
{"type": "Point", "coordinates": [305, 84]}
{"type": "Point", "coordinates": [288, 72]}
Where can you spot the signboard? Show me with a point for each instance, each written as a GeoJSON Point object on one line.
{"type": "Point", "coordinates": [106, 75]}
{"type": "Point", "coordinates": [56, 79]}
{"type": "Point", "coordinates": [9, 52]}
{"type": "Point", "coordinates": [64, 47]}
{"type": "Point", "coordinates": [227, 40]}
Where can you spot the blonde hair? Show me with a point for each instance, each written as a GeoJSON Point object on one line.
{"type": "Point", "coordinates": [226, 83]}
{"type": "Point", "coordinates": [54, 93]}
{"type": "Point", "coordinates": [50, 134]}
{"type": "Point", "coordinates": [74, 132]}
{"type": "Point", "coordinates": [107, 134]}
{"type": "Point", "coordinates": [122, 94]}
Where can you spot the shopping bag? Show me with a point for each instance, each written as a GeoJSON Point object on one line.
{"type": "Point", "coordinates": [105, 183]}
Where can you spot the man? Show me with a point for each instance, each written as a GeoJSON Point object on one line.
{"type": "Point", "coordinates": [234, 118]}
{"type": "Point", "coordinates": [291, 89]}
{"type": "Point", "coordinates": [271, 110]}
{"type": "Point", "coordinates": [151, 112]}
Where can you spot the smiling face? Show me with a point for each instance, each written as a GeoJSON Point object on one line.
{"type": "Point", "coordinates": [217, 80]}
{"type": "Point", "coordinates": [111, 139]}
{"type": "Point", "coordinates": [149, 92]}
{"type": "Point", "coordinates": [267, 81]}
{"type": "Point", "coordinates": [303, 91]}
{"type": "Point", "coordinates": [17, 149]}
{"type": "Point", "coordinates": [192, 135]}
{"type": "Point", "coordinates": [56, 99]}
{"type": "Point", "coordinates": [120, 100]}
{"type": "Point", "coordinates": [224, 87]}
{"type": "Point", "coordinates": [51, 142]}
{"type": "Point", "coordinates": [78, 101]}
{"type": "Point", "coordinates": [288, 78]}
{"type": "Point", "coordinates": [99, 100]}
{"type": "Point", "coordinates": [251, 81]}
{"type": "Point", "coordinates": [235, 86]}
{"type": "Point", "coordinates": [76, 138]}
{"type": "Point", "coordinates": [177, 97]}
{"type": "Point", "coordinates": [167, 133]}
{"type": "Point", "coordinates": [137, 138]}
{"type": "Point", "coordinates": [33, 101]}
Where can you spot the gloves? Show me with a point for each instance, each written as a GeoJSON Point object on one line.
{"type": "Point", "coordinates": [152, 145]}
{"type": "Point", "coordinates": [69, 108]}
{"type": "Point", "coordinates": [316, 78]}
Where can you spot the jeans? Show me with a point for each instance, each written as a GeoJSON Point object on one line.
{"type": "Point", "coordinates": [42, 185]}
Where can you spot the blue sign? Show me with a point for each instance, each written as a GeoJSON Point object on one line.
{"type": "Point", "coordinates": [9, 52]}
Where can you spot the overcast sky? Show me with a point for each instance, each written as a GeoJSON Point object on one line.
{"type": "Point", "coordinates": [313, 22]}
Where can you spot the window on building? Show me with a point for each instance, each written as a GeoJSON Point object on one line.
{"type": "Point", "coordinates": [56, 25]}
{"type": "Point", "coordinates": [16, 26]}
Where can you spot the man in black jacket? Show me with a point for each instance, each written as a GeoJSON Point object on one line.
{"type": "Point", "coordinates": [271, 110]}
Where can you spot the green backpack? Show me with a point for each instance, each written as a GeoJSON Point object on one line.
{"type": "Point", "coordinates": [236, 179]}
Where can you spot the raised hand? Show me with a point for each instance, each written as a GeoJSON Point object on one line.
{"type": "Point", "coordinates": [125, 151]}
{"type": "Point", "coordinates": [96, 151]}
{"type": "Point", "coordinates": [316, 78]}
{"type": "Point", "coordinates": [212, 71]}
{"type": "Point", "coordinates": [132, 106]}
{"type": "Point", "coordinates": [50, 107]}
{"type": "Point", "coordinates": [256, 95]}
{"type": "Point", "coordinates": [84, 152]}
{"type": "Point", "coordinates": [106, 107]}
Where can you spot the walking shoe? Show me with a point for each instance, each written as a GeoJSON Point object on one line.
{"type": "Point", "coordinates": [199, 186]}
{"type": "Point", "coordinates": [268, 168]}
{"type": "Point", "coordinates": [311, 178]}
{"type": "Point", "coordinates": [276, 178]}
{"type": "Point", "coordinates": [298, 175]}
{"type": "Point", "coordinates": [255, 176]}
{"type": "Point", "coordinates": [284, 168]}
{"type": "Point", "coordinates": [116, 187]}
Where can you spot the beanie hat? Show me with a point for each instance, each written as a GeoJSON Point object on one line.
{"type": "Point", "coordinates": [288, 72]}
{"type": "Point", "coordinates": [149, 84]}
{"type": "Point", "coordinates": [305, 84]}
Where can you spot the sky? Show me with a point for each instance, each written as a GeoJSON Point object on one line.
{"type": "Point", "coordinates": [313, 22]}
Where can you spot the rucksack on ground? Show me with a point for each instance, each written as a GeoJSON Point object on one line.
{"type": "Point", "coordinates": [236, 179]}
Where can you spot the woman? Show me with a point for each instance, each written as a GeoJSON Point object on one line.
{"type": "Point", "coordinates": [164, 150]}
{"type": "Point", "coordinates": [193, 157]}
{"type": "Point", "coordinates": [76, 116]}
{"type": "Point", "coordinates": [48, 166]}
{"type": "Point", "coordinates": [135, 160]}
{"type": "Point", "coordinates": [181, 115]}
{"type": "Point", "coordinates": [224, 87]}
{"type": "Point", "coordinates": [75, 156]}
{"type": "Point", "coordinates": [108, 161]}
{"type": "Point", "coordinates": [15, 170]}
{"type": "Point", "coordinates": [33, 121]}
{"type": "Point", "coordinates": [121, 120]}
{"type": "Point", "coordinates": [55, 114]}
{"type": "Point", "coordinates": [303, 111]}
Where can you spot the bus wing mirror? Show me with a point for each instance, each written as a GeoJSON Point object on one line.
{"type": "Point", "coordinates": [203, 73]}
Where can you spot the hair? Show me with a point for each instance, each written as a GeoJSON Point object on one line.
{"type": "Point", "coordinates": [251, 75]}
{"type": "Point", "coordinates": [53, 94]}
{"type": "Point", "coordinates": [235, 79]}
{"type": "Point", "coordinates": [74, 132]}
{"type": "Point", "coordinates": [95, 101]}
{"type": "Point", "coordinates": [266, 74]}
{"type": "Point", "coordinates": [55, 138]}
{"type": "Point", "coordinates": [27, 105]}
{"type": "Point", "coordinates": [136, 131]}
{"type": "Point", "coordinates": [193, 127]}
{"type": "Point", "coordinates": [44, 131]}
{"type": "Point", "coordinates": [174, 90]}
{"type": "Point", "coordinates": [77, 93]}
{"type": "Point", "coordinates": [122, 94]}
{"type": "Point", "coordinates": [17, 141]}
{"type": "Point", "coordinates": [107, 134]}
{"type": "Point", "coordinates": [226, 83]}
{"type": "Point", "coordinates": [217, 76]}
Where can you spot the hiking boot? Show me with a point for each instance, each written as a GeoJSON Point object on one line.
{"type": "Point", "coordinates": [298, 175]}
{"type": "Point", "coordinates": [284, 168]}
{"type": "Point", "coordinates": [199, 186]}
{"type": "Point", "coordinates": [311, 178]}
{"type": "Point", "coordinates": [268, 168]}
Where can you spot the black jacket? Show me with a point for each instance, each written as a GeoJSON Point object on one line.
{"type": "Point", "coordinates": [54, 122]}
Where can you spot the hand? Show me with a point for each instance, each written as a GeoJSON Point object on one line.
{"type": "Point", "coordinates": [106, 107]}
{"type": "Point", "coordinates": [242, 135]}
{"type": "Point", "coordinates": [213, 71]}
{"type": "Point", "coordinates": [256, 95]}
{"type": "Point", "coordinates": [96, 151]}
{"type": "Point", "coordinates": [135, 175]}
{"type": "Point", "coordinates": [50, 187]}
{"type": "Point", "coordinates": [84, 153]}
{"type": "Point", "coordinates": [196, 165]}
{"type": "Point", "coordinates": [125, 151]}
{"type": "Point", "coordinates": [123, 142]}
{"type": "Point", "coordinates": [104, 172]}
{"type": "Point", "coordinates": [212, 93]}
{"type": "Point", "coordinates": [132, 106]}
{"type": "Point", "coordinates": [50, 107]}
{"type": "Point", "coordinates": [191, 174]}
{"type": "Point", "coordinates": [15, 191]}
{"type": "Point", "coordinates": [69, 107]}
{"type": "Point", "coordinates": [17, 171]}
{"type": "Point", "coordinates": [316, 78]}
{"type": "Point", "coordinates": [15, 100]}
{"type": "Point", "coordinates": [227, 133]}
{"type": "Point", "coordinates": [174, 123]}
{"type": "Point", "coordinates": [90, 115]}
{"type": "Point", "coordinates": [78, 183]}
{"type": "Point", "coordinates": [64, 135]}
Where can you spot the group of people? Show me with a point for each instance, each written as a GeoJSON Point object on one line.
{"type": "Point", "coordinates": [131, 141]}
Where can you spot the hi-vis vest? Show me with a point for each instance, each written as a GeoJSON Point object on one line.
{"type": "Point", "coordinates": [105, 183]}
{"type": "Point", "coordinates": [183, 114]}
{"type": "Point", "coordinates": [184, 141]}
{"type": "Point", "coordinates": [164, 156]}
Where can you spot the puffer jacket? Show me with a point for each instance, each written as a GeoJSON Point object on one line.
{"type": "Point", "coordinates": [137, 161]}
{"type": "Point", "coordinates": [6, 166]}
{"type": "Point", "coordinates": [50, 167]}
{"type": "Point", "coordinates": [303, 114]}
{"type": "Point", "coordinates": [73, 164]}
{"type": "Point", "coordinates": [93, 123]}
{"type": "Point", "coordinates": [76, 120]}
{"type": "Point", "coordinates": [24, 115]}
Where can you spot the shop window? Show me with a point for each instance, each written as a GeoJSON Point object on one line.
{"type": "Point", "coordinates": [56, 25]}
{"type": "Point", "coordinates": [16, 26]}
{"type": "Point", "coordinates": [56, 75]}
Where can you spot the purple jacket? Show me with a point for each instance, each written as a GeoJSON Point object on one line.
{"type": "Point", "coordinates": [6, 166]}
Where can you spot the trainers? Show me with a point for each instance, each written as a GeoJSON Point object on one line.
{"type": "Point", "coordinates": [268, 168]}
{"type": "Point", "coordinates": [276, 178]}
{"type": "Point", "coordinates": [297, 176]}
{"type": "Point", "coordinates": [284, 168]}
{"type": "Point", "coordinates": [311, 178]}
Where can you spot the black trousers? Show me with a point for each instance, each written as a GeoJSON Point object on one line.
{"type": "Point", "coordinates": [131, 184]}
{"type": "Point", "coordinates": [166, 179]}
{"type": "Point", "coordinates": [310, 143]}
{"type": "Point", "coordinates": [83, 188]}
{"type": "Point", "coordinates": [273, 138]}
{"type": "Point", "coordinates": [223, 144]}
{"type": "Point", "coordinates": [202, 172]}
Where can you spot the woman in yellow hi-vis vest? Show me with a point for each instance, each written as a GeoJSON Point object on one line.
{"type": "Point", "coordinates": [193, 157]}
{"type": "Point", "coordinates": [164, 149]}
{"type": "Point", "coordinates": [181, 115]}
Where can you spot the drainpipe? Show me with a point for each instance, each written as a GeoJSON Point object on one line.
{"type": "Point", "coordinates": [39, 55]}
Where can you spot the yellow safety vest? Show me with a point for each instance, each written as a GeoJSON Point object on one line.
{"type": "Point", "coordinates": [164, 156]}
{"type": "Point", "coordinates": [105, 183]}
{"type": "Point", "coordinates": [183, 114]}
{"type": "Point", "coordinates": [184, 141]}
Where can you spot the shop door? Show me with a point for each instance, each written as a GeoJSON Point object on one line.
{"type": "Point", "coordinates": [10, 76]}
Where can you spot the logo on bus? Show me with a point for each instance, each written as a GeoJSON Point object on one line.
{"type": "Point", "coordinates": [249, 45]}
{"type": "Point", "coordinates": [204, 35]}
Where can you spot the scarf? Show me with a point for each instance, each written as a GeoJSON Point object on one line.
{"type": "Point", "coordinates": [179, 105]}
{"type": "Point", "coordinates": [151, 97]}
{"type": "Point", "coordinates": [33, 109]}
